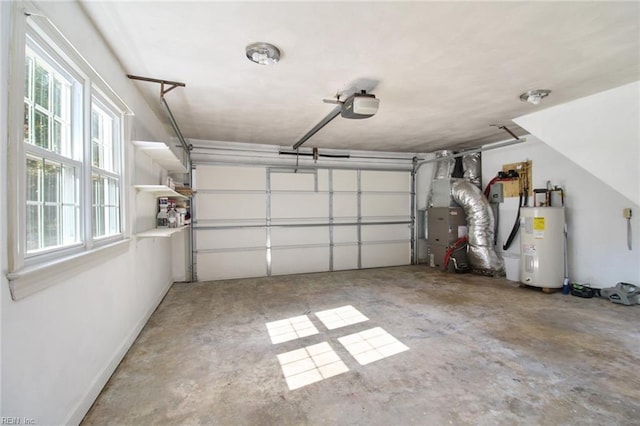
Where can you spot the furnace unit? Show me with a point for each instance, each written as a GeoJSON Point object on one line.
{"type": "Point", "coordinates": [445, 226]}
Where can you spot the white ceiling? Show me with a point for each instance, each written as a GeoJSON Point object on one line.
{"type": "Point", "coordinates": [446, 70]}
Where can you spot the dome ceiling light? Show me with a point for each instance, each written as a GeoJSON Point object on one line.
{"type": "Point", "coordinates": [534, 96]}
{"type": "Point", "coordinates": [263, 53]}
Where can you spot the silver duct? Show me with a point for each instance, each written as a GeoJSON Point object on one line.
{"type": "Point", "coordinates": [472, 168]}
{"type": "Point", "coordinates": [444, 166]}
{"type": "Point", "coordinates": [480, 222]}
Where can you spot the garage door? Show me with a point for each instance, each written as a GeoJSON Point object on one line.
{"type": "Point", "coordinates": [263, 221]}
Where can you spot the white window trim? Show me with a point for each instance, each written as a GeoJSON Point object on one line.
{"type": "Point", "coordinates": [30, 274]}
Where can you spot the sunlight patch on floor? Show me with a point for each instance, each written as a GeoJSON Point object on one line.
{"type": "Point", "coordinates": [310, 364]}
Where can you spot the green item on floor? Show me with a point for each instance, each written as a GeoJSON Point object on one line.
{"type": "Point", "coordinates": [581, 290]}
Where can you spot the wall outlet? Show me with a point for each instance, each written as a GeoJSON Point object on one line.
{"type": "Point", "coordinates": [626, 213]}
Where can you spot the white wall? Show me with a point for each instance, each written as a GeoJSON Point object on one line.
{"type": "Point", "coordinates": [600, 133]}
{"type": "Point", "coordinates": [598, 252]}
{"type": "Point", "coordinates": [60, 346]}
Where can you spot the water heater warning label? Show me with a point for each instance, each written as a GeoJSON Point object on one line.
{"type": "Point", "coordinates": [538, 227]}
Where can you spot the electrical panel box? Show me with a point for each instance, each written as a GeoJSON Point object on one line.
{"type": "Point", "coordinates": [496, 194]}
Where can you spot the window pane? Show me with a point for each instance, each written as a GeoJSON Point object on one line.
{"type": "Point", "coordinates": [70, 224]}
{"type": "Point", "coordinates": [104, 142]}
{"type": "Point", "coordinates": [51, 182]}
{"type": "Point", "coordinates": [98, 190]}
{"type": "Point", "coordinates": [33, 227]}
{"type": "Point", "coordinates": [57, 97]}
{"type": "Point", "coordinates": [28, 84]}
{"type": "Point", "coordinates": [41, 130]}
{"type": "Point", "coordinates": [41, 89]}
{"type": "Point", "coordinates": [114, 221]}
{"type": "Point", "coordinates": [114, 198]}
{"type": "Point", "coordinates": [69, 185]}
{"type": "Point", "coordinates": [51, 226]}
{"type": "Point", "coordinates": [65, 100]}
{"type": "Point", "coordinates": [95, 153]}
{"type": "Point", "coordinates": [95, 125]}
{"type": "Point", "coordinates": [96, 139]}
{"type": "Point", "coordinates": [98, 205]}
{"type": "Point", "coordinates": [34, 177]}
{"type": "Point", "coordinates": [56, 139]}
{"type": "Point", "coordinates": [27, 123]}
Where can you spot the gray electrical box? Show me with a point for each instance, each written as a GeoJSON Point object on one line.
{"type": "Point", "coordinates": [496, 194]}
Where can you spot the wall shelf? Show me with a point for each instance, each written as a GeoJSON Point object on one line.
{"type": "Point", "coordinates": [160, 232]}
{"type": "Point", "coordinates": [162, 155]}
{"type": "Point", "coordinates": [160, 191]}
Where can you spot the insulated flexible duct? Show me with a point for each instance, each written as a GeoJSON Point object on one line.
{"type": "Point", "coordinates": [472, 168]}
{"type": "Point", "coordinates": [444, 166]}
{"type": "Point", "coordinates": [480, 222]}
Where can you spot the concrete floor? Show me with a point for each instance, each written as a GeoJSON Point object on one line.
{"type": "Point", "coordinates": [481, 351]}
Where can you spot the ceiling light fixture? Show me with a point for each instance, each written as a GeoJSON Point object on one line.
{"type": "Point", "coordinates": [534, 96]}
{"type": "Point", "coordinates": [263, 53]}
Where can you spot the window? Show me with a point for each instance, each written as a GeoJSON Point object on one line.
{"type": "Point", "coordinates": [71, 155]}
{"type": "Point", "coordinates": [52, 161]}
{"type": "Point", "coordinates": [105, 167]}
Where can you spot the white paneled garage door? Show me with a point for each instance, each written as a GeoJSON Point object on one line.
{"type": "Point", "coordinates": [261, 221]}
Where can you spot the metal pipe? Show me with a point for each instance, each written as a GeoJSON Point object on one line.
{"type": "Point", "coordinates": [333, 114]}
{"type": "Point", "coordinates": [176, 129]}
{"type": "Point", "coordinates": [299, 225]}
{"type": "Point", "coordinates": [471, 151]}
{"type": "Point", "coordinates": [414, 214]}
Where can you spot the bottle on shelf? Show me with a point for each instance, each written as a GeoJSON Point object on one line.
{"type": "Point", "coordinates": [172, 216]}
{"type": "Point", "coordinates": [162, 219]}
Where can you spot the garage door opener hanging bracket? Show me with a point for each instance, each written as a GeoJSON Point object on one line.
{"type": "Point", "coordinates": [165, 87]}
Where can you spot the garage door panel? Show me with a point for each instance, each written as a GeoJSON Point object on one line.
{"type": "Point", "coordinates": [292, 181]}
{"type": "Point", "coordinates": [231, 178]}
{"type": "Point", "coordinates": [345, 180]}
{"type": "Point", "coordinates": [230, 206]}
{"type": "Point", "coordinates": [380, 255]}
{"type": "Point", "coordinates": [385, 181]}
{"type": "Point", "coordinates": [232, 238]}
{"type": "Point", "coordinates": [300, 236]}
{"type": "Point", "coordinates": [345, 234]}
{"type": "Point", "coordinates": [384, 205]}
{"type": "Point", "coordinates": [299, 205]}
{"type": "Point", "coordinates": [345, 205]}
{"type": "Point", "coordinates": [227, 265]}
{"type": "Point", "coordinates": [386, 232]}
{"type": "Point", "coordinates": [299, 260]}
{"type": "Point", "coordinates": [345, 257]}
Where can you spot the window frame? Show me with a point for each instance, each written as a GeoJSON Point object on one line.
{"type": "Point", "coordinates": [103, 103]}
{"type": "Point", "coordinates": [79, 82]}
{"type": "Point", "coordinates": [39, 31]}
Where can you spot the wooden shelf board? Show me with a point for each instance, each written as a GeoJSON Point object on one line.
{"type": "Point", "coordinates": [160, 232]}
{"type": "Point", "coordinates": [160, 191]}
{"type": "Point", "coordinates": [161, 154]}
